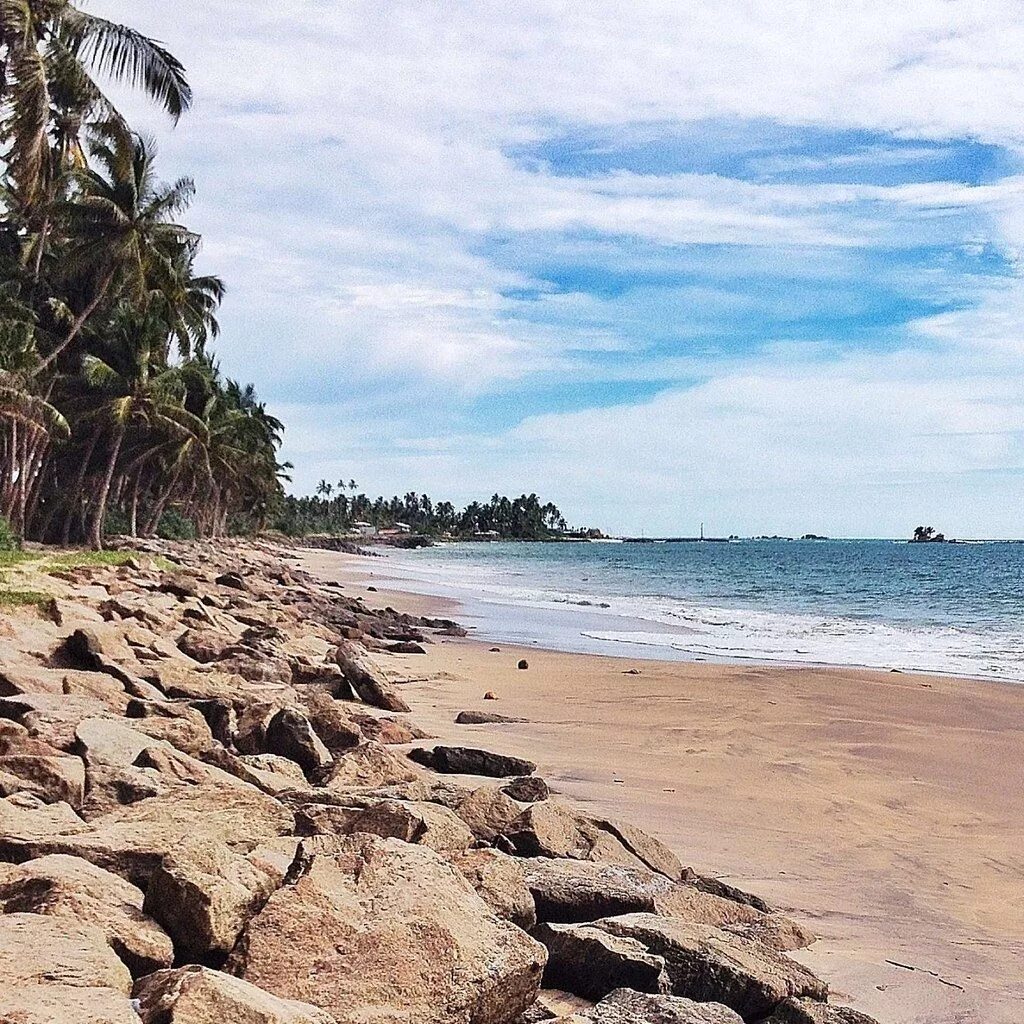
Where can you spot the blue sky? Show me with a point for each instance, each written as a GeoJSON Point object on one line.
{"type": "Point", "coordinates": [756, 264]}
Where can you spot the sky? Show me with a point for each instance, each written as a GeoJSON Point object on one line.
{"type": "Point", "coordinates": [756, 264]}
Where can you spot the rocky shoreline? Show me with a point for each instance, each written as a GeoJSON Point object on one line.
{"type": "Point", "coordinates": [215, 806]}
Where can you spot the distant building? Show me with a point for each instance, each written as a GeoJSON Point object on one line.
{"type": "Point", "coordinates": [364, 529]}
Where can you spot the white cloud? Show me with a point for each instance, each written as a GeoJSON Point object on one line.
{"type": "Point", "coordinates": [351, 165]}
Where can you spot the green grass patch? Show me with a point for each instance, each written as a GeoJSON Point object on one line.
{"type": "Point", "coordinates": [11, 558]}
{"type": "Point", "coordinates": [72, 559]}
{"type": "Point", "coordinates": [23, 598]}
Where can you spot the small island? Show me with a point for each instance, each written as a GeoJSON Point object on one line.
{"type": "Point", "coordinates": [927, 535]}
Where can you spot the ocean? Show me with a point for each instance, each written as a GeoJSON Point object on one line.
{"type": "Point", "coordinates": [949, 608]}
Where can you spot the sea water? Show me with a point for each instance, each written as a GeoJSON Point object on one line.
{"type": "Point", "coordinates": [951, 608]}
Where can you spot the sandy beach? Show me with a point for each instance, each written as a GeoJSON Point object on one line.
{"type": "Point", "coordinates": [884, 810]}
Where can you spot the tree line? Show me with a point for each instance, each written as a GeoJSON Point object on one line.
{"type": "Point", "coordinates": [113, 411]}
{"type": "Point", "coordinates": [338, 509]}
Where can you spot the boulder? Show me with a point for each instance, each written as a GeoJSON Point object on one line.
{"type": "Point", "coordinates": [392, 933]}
{"type": "Point", "coordinates": [488, 812]}
{"type": "Point", "coordinates": [810, 1011]}
{"type": "Point", "coordinates": [366, 679]}
{"type": "Point", "coordinates": [419, 822]}
{"type": "Point", "coordinates": [175, 721]}
{"type": "Point", "coordinates": [290, 734]}
{"type": "Point", "coordinates": [369, 765]}
{"type": "Point", "coordinates": [25, 818]}
{"type": "Point", "coordinates": [198, 995]}
{"type": "Point", "coordinates": [203, 894]}
{"type": "Point", "coordinates": [471, 761]}
{"type": "Point", "coordinates": [331, 722]}
{"type": "Point", "coordinates": [387, 730]}
{"type": "Point", "coordinates": [626, 1006]}
{"type": "Point", "coordinates": [60, 972]}
{"type": "Point", "coordinates": [107, 742]}
{"type": "Point", "coordinates": [529, 789]}
{"type": "Point", "coordinates": [108, 787]}
{"type": "Point", "coordinates": [554, 829]}
{"type": "Point", "coordinates": [498, 881]}
{"type": "Point", "coordinates": [54, 779]}
{"type": "Point", "coordinates": [131, 841]}
{"type": "Point", "coordinates": [72, 889]}
{"type": "Point", "coordinates": [574, 891]}
{"type": "Point", "coordinates": [705, 963]}
{"type": "Point", "coordinates": [483, 718]}
{"type": "Point", "coordinates": [591, 962]}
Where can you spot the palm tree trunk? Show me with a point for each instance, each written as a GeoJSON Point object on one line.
{"type": "Point", "coordinates": [100, 513]}
{"type": "Point", "coordinates": [79, 323]}
{"type": "Point", "coordinates": [75, 500]}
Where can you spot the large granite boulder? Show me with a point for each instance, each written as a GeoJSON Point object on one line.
{"type": "Point", "coordinates": [573, 891]}
{"type": "Point", "coordinates": [810, 1011]}
{"type": "Point", "coordinates": [498, 881]}
{"type": "Point", "coordinates": [626, 1006]}
{"type": "Point", "coordinates": [590, 962]}
{"type": "Point", "coordinates": [132, 840]}
{"type": "Point", "coordinates": [198, 995]}
{"type": "Point", "coordinates": [420, 822]}
{"type": "Point", "coordinates": [58, 971]}
{"type": "Point", "coordinates": [204, 893]}
{"type": "Point", "coordinates": [554, 829]}
{"type": "Point", "coordinates": [54, 777]}
{"type": "Point", "coordinates": [290, 734]}
{"type": "Point", "coordinates": [708, 964]}
{"type": "Point", "coordinates": [71, 889]}
{"type": "Point", "coordinates": [366, 679]}
{"type": "Point", "coordinates": [369, 766]}
{"type": "Point", "coordinates": [377, 929]}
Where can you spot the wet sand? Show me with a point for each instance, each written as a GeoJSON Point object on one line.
{"type": "Point", "coordinates": [885, 810]}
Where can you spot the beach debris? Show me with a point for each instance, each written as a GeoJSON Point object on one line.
{"type": "Point", "coordinates": [631, 672]}
{"type": "Point", "coordinates": [471, 761]}
{"type": "Point", "coordinates": [523, 664]}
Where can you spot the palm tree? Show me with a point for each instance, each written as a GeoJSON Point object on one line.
{"type": "Point", "coordinates": [126, 244]}
{"type": "Point", "coordinates": [49, 48]}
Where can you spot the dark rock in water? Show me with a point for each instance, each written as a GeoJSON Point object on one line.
{"type": "Point", "coordinates": [590, 962]}
{"type": "Point", "coordinates": [527, 789]}
{"type": "Point", "coordinates": [809, 1011]}
{"type": "Point", "coordinates": [523, 664]}
{"type": "Point", "coordinates": [471, 761]}
{"type": "Point", "coordinates": [372, 590]}
{"type": "Point", "coordinates": [483, 718]}
{"type": "Point", "coordinates": [626, 1006]}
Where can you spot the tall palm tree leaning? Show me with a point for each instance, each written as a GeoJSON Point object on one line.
{"type": "Point", "coordinates": [49, 48]}
{"type": "Point", "coordinates": [127, 245]}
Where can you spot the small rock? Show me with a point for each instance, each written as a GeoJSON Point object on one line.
{"type": "Point", "coordinates": [523, 664]}
{"type": "Point", "coordinates": [528, 789]}
{"type": "Point", "coordinates": [490, 695]}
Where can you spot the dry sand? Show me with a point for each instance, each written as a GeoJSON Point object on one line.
{"type": "Point", "coordinates": [883, 809]}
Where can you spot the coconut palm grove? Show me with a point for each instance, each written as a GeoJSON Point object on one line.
{"type": "Point", "coordinates": [114, 417]}
{"type": "Point", "coordinates": [113, 413]}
